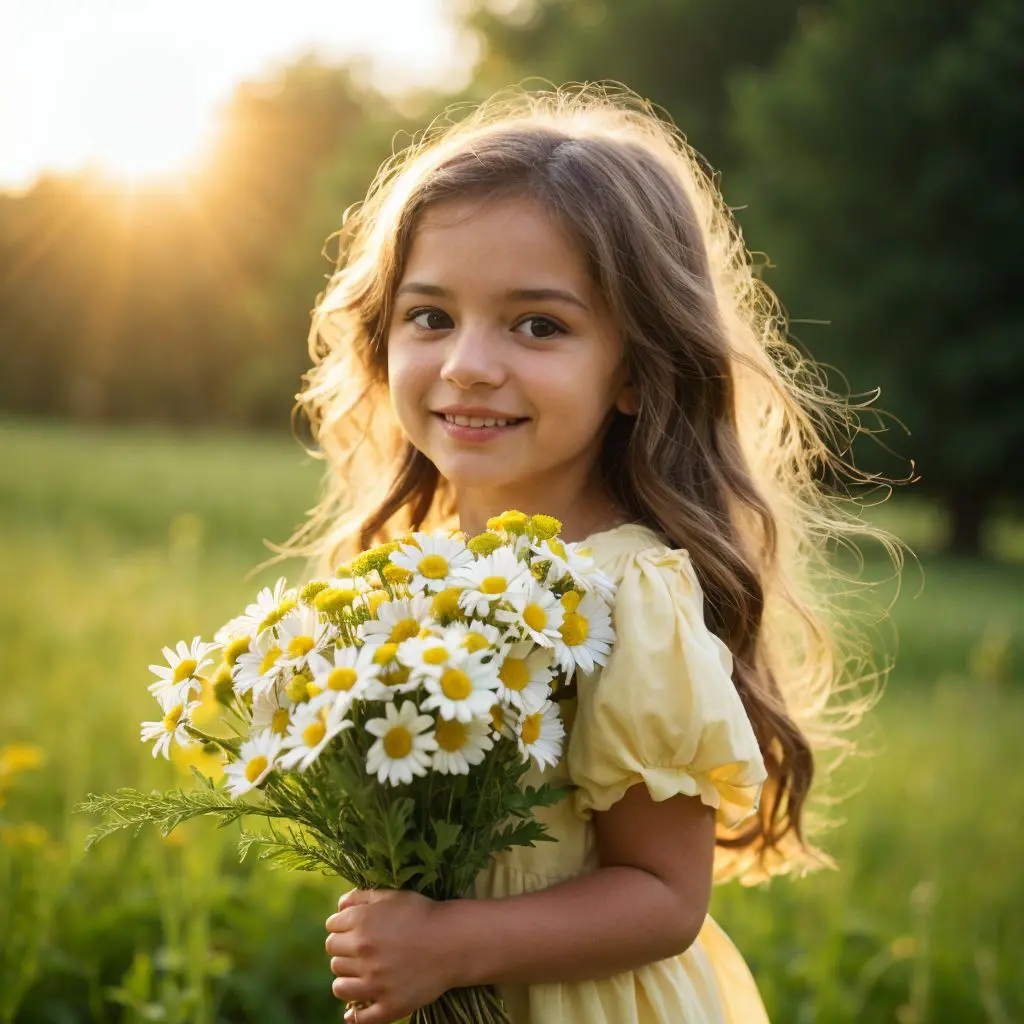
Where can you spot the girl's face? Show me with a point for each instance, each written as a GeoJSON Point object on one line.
{"type": "Point", "coordinates": [503, 362]}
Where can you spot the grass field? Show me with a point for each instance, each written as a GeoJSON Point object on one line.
{"type": "Point", "coordinates": [116, 543]}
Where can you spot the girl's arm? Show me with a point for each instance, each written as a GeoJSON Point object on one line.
{"type": "Point", "coordinates": [647, 902]}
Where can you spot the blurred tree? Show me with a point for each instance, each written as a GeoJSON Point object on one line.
{"type": "Point", "coordinates": [682, 54]}
{"type": "Point", "coordinates": [885, 163]}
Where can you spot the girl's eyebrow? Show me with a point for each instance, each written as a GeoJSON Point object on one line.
{"type": "Point", "coordinates": [516, 294]}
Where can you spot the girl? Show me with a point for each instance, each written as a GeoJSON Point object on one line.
{"type": "Point", "coordinates": [564, 317]}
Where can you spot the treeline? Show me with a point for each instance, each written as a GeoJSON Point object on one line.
{"type": "Point", "coordinates": [874, 150]}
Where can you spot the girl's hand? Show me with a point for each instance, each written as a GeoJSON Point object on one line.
{"type": "Point", "coordinates": [387, 953]}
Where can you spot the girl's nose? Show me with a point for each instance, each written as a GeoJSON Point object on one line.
{"type": "Point", "coordinates": [474, 357]}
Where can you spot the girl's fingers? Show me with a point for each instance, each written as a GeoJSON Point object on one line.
{"type": "Point", "coordinates": [372, 1014]}
{"type": "Point", "coordinates": [343, 920]}
{"type": "Point", "coordinates": [352, 990]}
{"type": "Point", "coordinates": [345, 967]}
{"type": "Point", "coordinates": [340, 944]}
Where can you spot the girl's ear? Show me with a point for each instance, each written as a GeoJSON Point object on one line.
{"type": "Point", "coordinates": [628, 402]}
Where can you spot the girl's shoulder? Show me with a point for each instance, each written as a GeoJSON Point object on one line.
{"type": "Point", "coordinates": [615, 550]}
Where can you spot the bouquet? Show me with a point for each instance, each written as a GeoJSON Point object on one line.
{"type": "Point", "coordinates": [382, 720]}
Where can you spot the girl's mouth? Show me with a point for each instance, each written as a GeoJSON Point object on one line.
{"type": "Point", "coordinates": [477, 428]}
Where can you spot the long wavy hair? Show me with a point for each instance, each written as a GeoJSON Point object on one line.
{"type": "Point", "coordinates": [726, 457]}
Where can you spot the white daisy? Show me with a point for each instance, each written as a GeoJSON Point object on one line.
{"type": "Point", "coordinates": [172, 727]}
{"type": "Point", "coordinates": [404, 744]}
{"type": "Point", "coordinates": [269, 608]}
{"type": "Point", "coordinates": [231, 630]}
{"type": "Point", "coordinates": [427, 655]}
{"type": "Point", "coordinates": [180, 676]}
{"type": "Point", "coordinates": [272, 711]}
{"type": "Point", "coordinates": [394, 677]}
{"type": "Point", "coordinates": [487, 580]}
{"type": "Point", "coordinates": [260, 667]}
{"type": "Point", "coordinates": [574, 561]}
{"type": "Point", "coordinates": [464, 689]}
{"type": "Point", "coordinates": [432, 559]}
{"type": "Point", "coordinates": [299, 633]}
{"type": "Point", "coordinates": [312, 727]}
{"type": "Point", "coordinates": [344, 670]}
{"type": "Point", "coordinates": [535, 614]}
{"type": "Point", "coordinates": [525, 676]}
{"type": "Point", "coordinates": [504, 721]}
{"type": "Point", "coordinates": [396, 621]}
{"type": "Point", "coordinates": [460, 744]}
{"type": "Point", "coordinates": [585, 635]}
{"type": "Point", "coordinates": [255, 760]}
{"type": "Point", "coordinates": [476, 636]}
{"type": "Point", "coordinates": [540, 734]}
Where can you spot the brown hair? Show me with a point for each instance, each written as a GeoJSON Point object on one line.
{"type": "Point", "coordinates": [734, 433]}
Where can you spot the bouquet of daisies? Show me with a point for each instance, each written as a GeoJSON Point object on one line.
{"type": "Point", "coordinates": [382, 720]}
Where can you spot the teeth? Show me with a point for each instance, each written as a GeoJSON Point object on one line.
{"type": "Point", "coordinates": [476, 421]}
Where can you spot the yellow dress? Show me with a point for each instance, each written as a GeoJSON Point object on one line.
{"type": "Point", "coordinates": [664, 712]}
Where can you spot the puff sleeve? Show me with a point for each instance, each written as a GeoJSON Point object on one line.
{"type": "Point", "coordinates": [664, 710]}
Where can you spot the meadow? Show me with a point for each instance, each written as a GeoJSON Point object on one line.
{"type": "Point", "coordinates": [115, 543]}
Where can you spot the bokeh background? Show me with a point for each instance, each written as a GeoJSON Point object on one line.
{"type": "Point", "coordinates": [171, 173]}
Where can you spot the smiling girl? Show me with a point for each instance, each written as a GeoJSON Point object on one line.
{"type": "Point", "coordinates": [548, 308]}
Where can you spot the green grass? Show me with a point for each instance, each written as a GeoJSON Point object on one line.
{"type": "Point", "coordinates": [115, 543]}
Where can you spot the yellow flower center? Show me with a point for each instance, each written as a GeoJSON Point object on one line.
{"type": "Point", "coordinates": [332, 600]}
{"type": "Point", "coordinates": [514, 674]}
{"type": "Point", "coordinates": [497, 717]}
{"type": "Point", "coordinates": [396, 574]}
{"type": "Point", "coordinates": [269, 659]}
{"type": "Point", "coordinates": [398, 742]}
{"type": "Point", "coordinates": [446, 603]}
{"type": "Point", "coordinates": [255, 767]}
{"type": "Point", "coordinates": [342, 679]}
{"type": "Point", "coordinates": [571, 600]}
{"type": "Point", "coordinates": [451, 736]}
{"type": "Point", "coordinates": [300, 646]}
{"type": "Point", "coordinates": [314, 733]}
{"type": "Point", "coordinates": [385, 653]}
{"type": "Point", "coordinates": [313, 690]}
{"type": "Point", "coordinates": [494, 585]}
{"type": "Point", "coordinates": [574, 629]}
{"type": "Point", "coordinates": [433, 567]}
{"type": "Point", "coordinates": [483, 544]}
{"type": "Point", "coordinates": [557, 547]}
{"type": "Point", "coordinates": [184, 669]}
{"type": "Point", "coordinates": [405, 629]}
{"type": "Point", "coordinates": [296, 688]}
{"type": "Point", "coordinates": [545, 527]}
{"type": "Point", "coordinates": [435, 655]}
{"type": "Point", "coordinates": [455, 684]}
{"type": "Point", "coordinates": [397, 677]}
{"type": "Point", "coordinates": [279, 721]}
{"type": "Point", "coordinates": [475, 642]}
{"type": "Point", "coordinates": [172, 717]}
{"type": "Point", "coordinates": [277, 614]}
{"type": "Point", "coordinates": [375, 600]}
{"type": "Point", "coordinates": [530, 731]}
{"type": "Point", "coordinates": [535, 617]}
{"type": "Point", "coordinates": [235, 649]}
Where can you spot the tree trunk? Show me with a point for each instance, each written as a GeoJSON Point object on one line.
{"type": "Point", "coordinates": [967, 510]}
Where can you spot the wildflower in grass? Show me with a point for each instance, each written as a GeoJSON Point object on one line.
{"type": "Point", "coordinates": [525, 674]}
{"type": "Point", "coordinates": [463, 689]}
{"type": "Point", "coordinates": [173, 727]}
{"type": "Point", "coordinates": [256, 758]}
{"type": "Point", "coordinates": [431, 559]}
{"type": "Point", "coordinates": [488, 580]}
{"type": "Point", "coordinates": [585, 635]}
{"type": "Point", "coordinates": [460, 744]}
{"type": "Point", "coordinates": [181, 676]}
{"type": "Point", "coordinates": [534, 614]}
{"type": "Point", "coordinates": [539, 735]}
{"type": "Point", "coordinates": [405, 743]}
{"type": "Point", "coordinates": [312, 727]}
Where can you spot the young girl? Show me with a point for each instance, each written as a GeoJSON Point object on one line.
{"type": "Point", "coordinates": [565, 320]}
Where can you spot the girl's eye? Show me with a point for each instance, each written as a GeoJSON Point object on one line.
{"type": "Point", "coordinates": [541, 327]}
{"type": "Point", "coordinates": [431, 319]}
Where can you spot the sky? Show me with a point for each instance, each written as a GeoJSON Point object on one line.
{"type": "Point", "coordinates": [134, 85]}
